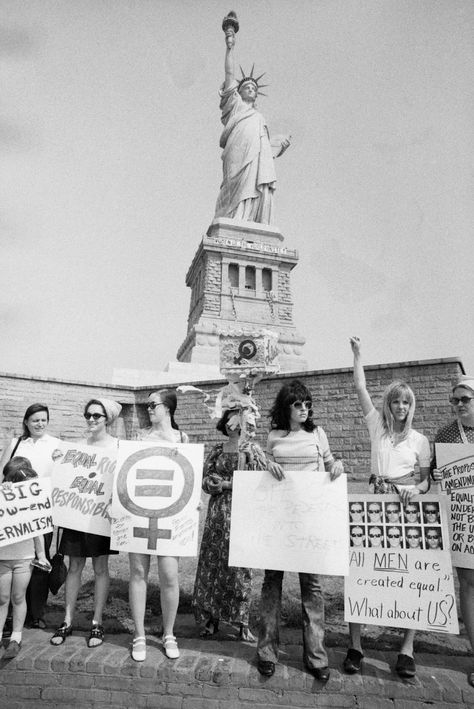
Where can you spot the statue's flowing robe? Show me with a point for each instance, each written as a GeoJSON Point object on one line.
{"type": "Point", "coordinates": [248, 169]}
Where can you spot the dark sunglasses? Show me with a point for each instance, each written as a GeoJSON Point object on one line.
{"type": "Point", "coordinates": [432, 536]}
{"type": "Point", "coordinates": [393, 536]}
{"type": "Point", "coordinates": [298, 405]}
{"type": "Point", "coordinates": [464, 400]}
{"type": "Point", "coordinates": [153, 405]}
{"type": "Point", "coordinates": [357, 534]}
{"type": "Point", "coordinates": [96, 417]}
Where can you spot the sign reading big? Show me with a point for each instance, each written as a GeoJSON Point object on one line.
{"type": "Point", "coordinates": [25, 510]}
{"type": "Point", "coordinates": [157, 490]}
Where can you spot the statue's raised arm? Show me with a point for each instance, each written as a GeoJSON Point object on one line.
{"type": "Point", "coordinates": [247, 159]}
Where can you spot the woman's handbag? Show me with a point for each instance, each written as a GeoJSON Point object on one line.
{"type": "Point", "coordinates": [58, 573]}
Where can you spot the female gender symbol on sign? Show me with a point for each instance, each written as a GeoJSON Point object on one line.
{"type": "Point", "coordinates": [151, 490]}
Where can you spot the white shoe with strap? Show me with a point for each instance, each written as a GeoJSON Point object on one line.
{"type": "Point", "coordinates": [139, 649]}
{"type": "Point", "coordinates": [170, 646]}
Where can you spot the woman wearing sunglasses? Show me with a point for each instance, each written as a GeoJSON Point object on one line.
{"type": "Point", "coordinates": [161, 408]}
{"type": "Point", "coordinates": [295, 442]}
{"type": "Point", "coordinates": [99, 414]}
{"type": "Point", "coordinates": [461, 430]}
{"type": "Point", "coordinates": [396, 449]}
{"type": "Point", "coordinates": [37, 445]}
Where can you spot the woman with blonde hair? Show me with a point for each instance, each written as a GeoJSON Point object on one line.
{"type": "Point", "coordinates": [396, 450]}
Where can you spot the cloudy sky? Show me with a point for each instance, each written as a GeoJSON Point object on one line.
{"type": "Point", "coordinates": [110, 167]}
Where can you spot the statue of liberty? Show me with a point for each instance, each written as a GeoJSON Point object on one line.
{"type": "Point", "coordinates": [248, 183]}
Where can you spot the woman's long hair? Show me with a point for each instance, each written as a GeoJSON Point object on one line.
{"type": "Point", "coordinates": [170, 400]}
{"type": "Point", "coordinates": [281, 410]}
{"type": "Point", "coordinates": [394, 391]}
{"type": "Point", "coordinates": [33, 409]}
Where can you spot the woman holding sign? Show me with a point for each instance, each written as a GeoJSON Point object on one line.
{"type": "Point", "coordinates": [222, 592]}
{"type": "Point", "coordinates": [37, 445]}
{"type": "Point", "coordinates": [161, 407]}
{"type": "Point", "coordinates": [461, 430]}
{"type": "Point", "coordinates": [295, 443]}
{"type": "Point", "coordinates": [396, 449]}
{"type": "Point", "coordinates": [99, 414]}
{"type": "Point", "coordinates": [16, 564]}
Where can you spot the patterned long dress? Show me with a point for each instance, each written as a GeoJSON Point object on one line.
{"type": "Point", "coordinates": [221, 592]}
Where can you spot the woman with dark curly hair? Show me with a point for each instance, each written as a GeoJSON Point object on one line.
{"type": "Point", "coordinates": [295, 443]}
{"type": "Point", "coordinates": [222, 592]}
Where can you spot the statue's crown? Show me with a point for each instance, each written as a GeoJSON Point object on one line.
{"type": "Point", "coordinates": [253, 79]}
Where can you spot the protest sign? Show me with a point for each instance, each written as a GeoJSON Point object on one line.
{"type": "Point", "coordinates": [400, 572]}
{"type": "Point", "coordinates": [25, 510]}
{"type": "Point", "coordinates": [296, 524]}
{"type": "Point", "coordinates": [456, 460]}
{"type": "Point", "coordinates": [156, 494]}
{"type": "Point", "coordinates": [81, 482]}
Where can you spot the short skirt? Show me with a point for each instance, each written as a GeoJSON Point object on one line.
{"type": "Point", "coordinates": [75, 543]}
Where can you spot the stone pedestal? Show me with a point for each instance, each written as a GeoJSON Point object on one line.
{"type": "Point", "coordinates": [240, 279]}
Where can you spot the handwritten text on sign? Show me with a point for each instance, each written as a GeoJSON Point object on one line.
{"type": "Point", "coordinates": [157, 490]}
{"type": "Point", "coordinates": [400, 572]}
{"type": "Point", "coordinates": [296, 524]}
{"type": "Point", "coordinates": [25, 511]}
{"type": "Point", "coordinates": [81, 482]}
{"type": "Point", "coordinates": [456, 460]}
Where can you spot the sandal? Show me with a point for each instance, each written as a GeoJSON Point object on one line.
{"type": "Point", "coordinates": [211, 628]}
{"type": "Point", "coordinates": [61, 634]}
{"type": "Point", "coordinates": [246, 635]}
{"type": "Point", "coordinates": [171, 647]}
{"type": "Point", "coordinates": [96, 636]}
{"type": "Point", "coordinates": [139, 649]}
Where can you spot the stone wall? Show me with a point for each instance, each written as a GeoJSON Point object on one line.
{"type": "Point", "coordinates": [335, 404]}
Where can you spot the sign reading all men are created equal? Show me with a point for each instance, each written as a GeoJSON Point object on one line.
{"type": "Point", "coordinates": [157, 490]}
{"type": "Point", "coordinates": [456, 460]}
{"type": "Point", "coordinates": [25, 510]}
{"type": "Point", "coordinates": [400, 571]}
{"type": "Point", "coordinates": [296, 524]}
{"type": "Point", "coordinates": [81, 480]}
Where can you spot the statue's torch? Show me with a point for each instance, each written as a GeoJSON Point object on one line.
{"type": "Point", "coordinates": [230, 25]}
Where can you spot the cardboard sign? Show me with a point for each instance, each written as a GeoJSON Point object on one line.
{"type": "Point", "coordinates": [25, 510]}
{"type": "Point", "coordinates": [400, 571]}
{"type": "Point", "coordinates": [156, 494]}
{"type": "Point", "coordinates": [457, 463]}
{"type": "Point", "coordinates": [296, 524]}
{"type": "Point", "coordinates": [81, 482]}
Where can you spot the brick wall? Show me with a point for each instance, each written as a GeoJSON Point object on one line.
{"type": "Point", "coordinates": [335, 404]}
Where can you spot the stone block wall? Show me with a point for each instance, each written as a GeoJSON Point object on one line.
{"type": "Point", "coordinates": [335, 405]}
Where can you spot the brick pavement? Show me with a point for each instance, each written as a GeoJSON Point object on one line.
{"type": "Point", "coordinates": [217, 675]}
